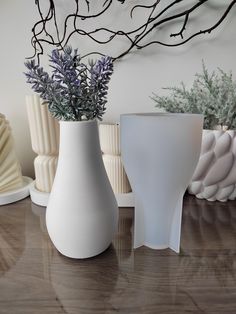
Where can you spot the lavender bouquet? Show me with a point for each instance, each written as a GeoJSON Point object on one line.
{"type": "Point", "coordinates": [74, 91]}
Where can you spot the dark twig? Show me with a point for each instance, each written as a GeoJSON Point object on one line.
{"type": "Point", "coordinates": [180, 33]}
{"type": "Point", "coordinates": [144, 6]}
{"type": "Point", "coordinates": [207, 30]}
{"type": "Point", "coordinates": [83, 17]}
{"type": "Point", "coordinates": [164, 20]}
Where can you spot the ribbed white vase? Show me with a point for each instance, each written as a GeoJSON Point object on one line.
{"type": "Point", "coordinates": [44, 132]}
{"type": "Point", "coordinates": [82, 212]}
{"type": "Point", "coordinates": [110, 146]}
{"type": "Point", "coordinates": [215, 175]}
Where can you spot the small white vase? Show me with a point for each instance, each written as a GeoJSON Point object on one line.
{"type": "Point", "coordinates": [159, 153]}
{"type": "Point", "coordinates": [82, 213]}
{"type": "Point", "coordinates": [215, 176]}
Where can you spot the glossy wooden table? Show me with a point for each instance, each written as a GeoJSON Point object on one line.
{"type": "Point", "coordinates": [35, 278]}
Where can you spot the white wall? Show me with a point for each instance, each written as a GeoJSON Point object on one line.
{"type": "Point", "coordinates": [16, 19]}
{"type": "Point", "coordinates": [133, 81]}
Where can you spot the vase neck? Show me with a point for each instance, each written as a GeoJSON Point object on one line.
{"type": "Point", "coordinates": [80, 134]}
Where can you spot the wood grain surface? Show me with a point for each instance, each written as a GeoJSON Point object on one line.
{"type": "Point", "coordinates": [36, 279]}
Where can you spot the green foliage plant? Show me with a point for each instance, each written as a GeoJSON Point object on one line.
{"type": "Point", "coordinates": [213, 95]}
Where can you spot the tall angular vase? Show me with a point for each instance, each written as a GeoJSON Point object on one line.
{"type": "Point", "coordinates": [82, 213]}
{"type": "Point", "coordinates": [160, 153]}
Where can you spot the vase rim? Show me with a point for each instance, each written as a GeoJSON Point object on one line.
{"type": "Point", "coordinates": [77, 121]}
{"type": "Point", "coordinates": [160, 114]}
{"type": "Point", "coordinates": [110, 123]}
{"type": "Point", "coordinates": [216, 130]}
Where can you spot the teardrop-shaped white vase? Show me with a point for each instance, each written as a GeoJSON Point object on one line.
{"type": "Point", "coordinates": [82, 212]}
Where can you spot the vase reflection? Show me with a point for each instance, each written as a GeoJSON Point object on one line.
{"type": "Point", "coordinates": [12, 238]}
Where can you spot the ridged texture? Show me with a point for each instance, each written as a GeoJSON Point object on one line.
{"type": "Point", "coordinates": [10, 171]}
{"type": "Point", "coordinates": [110, 138]}
{"type": "Point", "coordinates": [116, 174]}
{"type": "Point", "coordinates": [215, 175]}
{"type": "Point", "coordinates": [44, 132]}
{"type": "Point", "coordinates": [45, 170]}
{"type": "Point", "coordinates": [44, 129]}
{"type": "Point", "coordinates": [110, 146]}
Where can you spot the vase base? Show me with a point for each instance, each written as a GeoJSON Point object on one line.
{"type": "Point", "coordinates": [153, 246]}
{"type": "Point", "coordinates": [91, 255]}
{"type": "Point", "coordinates": [18, 194]}
{"type": "Point", "coordinates": [38, 197]}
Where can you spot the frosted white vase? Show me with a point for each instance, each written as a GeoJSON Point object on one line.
{"type": "Point", "coordinates": [159, 152]}
{"type": "Point", "coordinates": [110, 146]}
{"type": "Point", "coordinates": [44, 132]}
{"type": "Point", "coordinates": [82, 212]}
{"type": "Point", "coordinates": [215, 175]}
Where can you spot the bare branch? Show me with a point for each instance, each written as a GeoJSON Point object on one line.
{"type": "Point", "coordinates": [136, 37]}
{"type": "Point", "coordinates": [180, 33]}
{"type": "Point", "coordinates": [207, 30]}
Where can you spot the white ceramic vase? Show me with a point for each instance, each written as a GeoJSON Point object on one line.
{"type": "Point", "coordinates": [159, 152]}
{"type": "Point", "coordinates": [215, 175]}
{"type": "Point", "coordinates": [82, 213]}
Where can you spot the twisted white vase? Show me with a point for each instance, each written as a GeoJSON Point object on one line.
{"type": "Point", "coordinates": [215, 175]}
{"type": "Point", "coordinates": [10, 170]}
{"type": "Point", "coordinates": [13, 186]}
{"type": "Point", "coordinates": [159, 152]}
{"type": "Point", "coordinates": [82, 212]}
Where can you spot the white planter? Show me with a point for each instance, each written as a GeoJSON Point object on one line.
{"type": "Point", "coordinates": [215, 175]}
{"type": "Point", "coordinates": [110, 146]}
{"type": "Point", "coordinates": [82, 213]}
{"type": "Point", "coordinates": [159, 152]}
{"type": "Point", "coordinates": [44, 132]}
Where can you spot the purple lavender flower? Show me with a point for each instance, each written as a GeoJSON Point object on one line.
{"type": "Point", "coordinates": [100, 76]}
{"type": "Point", "coordinates": [74, 91]}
